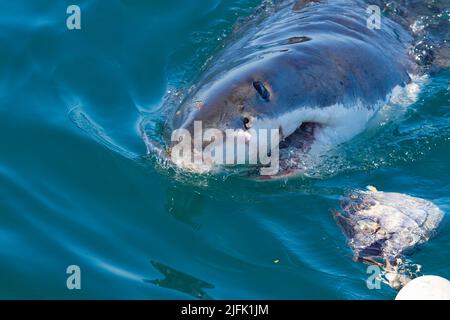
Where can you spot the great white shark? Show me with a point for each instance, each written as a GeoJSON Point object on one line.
{"type": "Point", "coordinates": [312, 69]}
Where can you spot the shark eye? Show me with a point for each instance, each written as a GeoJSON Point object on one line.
{"type": "Point", "coordinates": [261, 89]}
{"type": "Point", "coordinates": [246, 123]}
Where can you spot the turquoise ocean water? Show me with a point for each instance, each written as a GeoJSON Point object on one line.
{"type": "Point", "coordinates": [77, 187]}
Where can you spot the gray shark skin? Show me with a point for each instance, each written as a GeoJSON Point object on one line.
{"type": "Point", "coordinates": [307, 68]}
{"type": "Point", "coordinates": [318, 56]}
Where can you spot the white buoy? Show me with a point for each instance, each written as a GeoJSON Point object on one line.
{"type": "Point", "coordinates": [426, 288]}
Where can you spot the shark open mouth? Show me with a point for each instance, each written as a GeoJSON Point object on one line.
{"type": "Point", "coordinates": [294, 148]}
{"type": "Point", "coordinates": [302, 138]}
